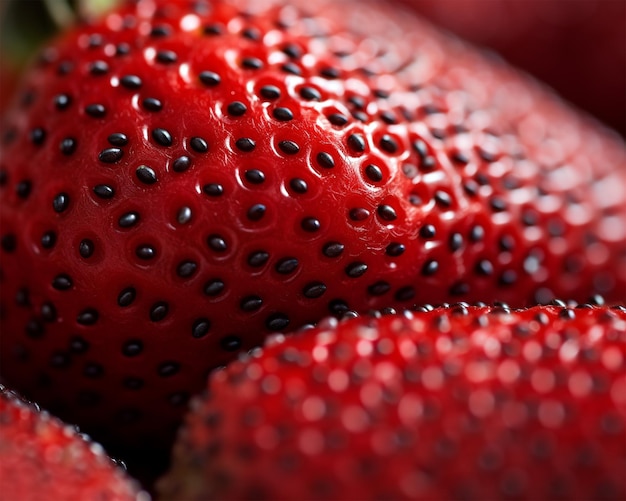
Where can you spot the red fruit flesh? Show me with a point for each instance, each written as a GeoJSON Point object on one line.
{"type": "Point", "coordinates": [457, 403]}
{"type": "Point", "coordinates": [42, 458]}
{"type": "Point", "coordinates": [162, 210]}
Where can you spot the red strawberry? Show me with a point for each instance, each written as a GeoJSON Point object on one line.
{"type": "Point", "coordinates": [183, 178]}
{"type": "Point", "coordinates": [456, 403]}
{"type": "Point", "coordinates": [42, 458]}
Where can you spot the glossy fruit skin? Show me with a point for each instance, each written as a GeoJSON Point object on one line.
{"type": "Point", "coordinates": [43, 458]}
{"type": "Point", "coordinates": [152, 227]}
{"type": "Point", "coordinates": [456, 403]}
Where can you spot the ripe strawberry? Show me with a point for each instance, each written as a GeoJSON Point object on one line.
{"type": "Point", "coordinates": [42, 458]}
{"type": "Point", "coordinates": [456, 403]}
{"type": "Point", "coordinates": [183, 177]}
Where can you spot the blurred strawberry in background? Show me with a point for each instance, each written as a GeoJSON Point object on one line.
{"type": "Point", "coordinates": [578, 47]}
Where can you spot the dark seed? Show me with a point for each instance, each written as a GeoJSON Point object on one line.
{"type": "Point", "coordinates": [374, 173]}
{"type": "Point", "coordinates": [200, 328]}
{"type": "Point", "coordinates": [289, 147]}
{"type": "Point", "coordinates": [387, 212]}
{"type": "Point", "coordinates": [126, 297]}
{"type": "Point", "coordinates": [118, 139]}
{"type": "Point", "coordinates": [395, 249]}
{"type": "Point", "coordinates": [388, 144]}
{"type": "Point", "coordinates": [484, 267]}
{"type": "Point", "coordinates": [133, 383]}
{"type": "Point", "coordinates": [277, 322]}
{"type": "Point", "coordinates": [184, 215]}
{"type": "Point", "coordinates": [298, 185]}
{"type": "Point", "coordinates": [292, 50]}
{"type": "Point", "coordinates": [291, 68]}
{"type": "Point", "coordinates": [314, 290]}
{"type": "Point", "coordinates": [455, 242]}
{"type": "Point", "coordinates": [158, 311]}
{"type": "Point", "coordinates": [230, 343]}
{"type": "Point", "coordinates": [62, 101]}
{"type": "Point", "coordinates": [236, 109]}
{"type": "Point", "coordinates": [405, 293]}
{"type": "Point", "coordinates": [78, 345]}
{"type": "Point", "coordinates": [359, 214]}
{"type": "Point", "coordinates": [93, 370]}
{"type": "Point", "coordinates": [217, 243]}
{"type": "Point", "coordinates": [430, 267]}
{"type": "Point", "coordinates": [145, 252]}
{"type": "Point", "coordinates": [163, 137]}
{"type": "Point", "coordinates": [104, 191]}
{"type": "Point", "coordinates": [62, 282]}
{"type": "Point", "coordinates": [166, 57]}
{"type": "Point", "coordinates": [333, 249]}
{"type": "Point", "coordinates": [131, 82]}
{"type": "Point", "coordinates": [254, 176]}
{"type": "Point", "coordinates": [337, 119]}
{"type": "Point", "coordinates": [23, 189]}
{"type": "Point", "coordinates": [198, 144]}
{"type": "Point", "coordinates": [8, 243]}
{"type": "Point", "coordinates": [129, 219]}
{"type": "Point", "coordinates": [132, 348]}
{"type": "Point", "coordinates": [443, 199]}
{"type": "Point", "coordinates": [110, 155]}
{"type": "Point", "coordinates": [146, 175]}
{"type": "Point", "coordinates": [258, 259]}
{"type": "Point", "coordinates": [181, 164]}
{"type": "Point", "coordinates": [310, 224]}
{"type": "Point", "coordinates": [209, 78]}
{"type": "Point", "coordinates": [98, 68]}
{"type": "Point", "coordinates": [60, 360]}
{"type": "Point", "coordinates": [213, 29]}
{"type": "Point", "coordinates": [378, 288]}
{"type": "Point", "coordinates": [61, 202]}
{"type": "Point", "coordinates": [459, 289]}
{"type": "Point", "coordinates": [160, 31]}
{"type": "Point", "coordinates": [214, 287]}
{"type": "Point", "coordinates": [34, 329]}
{"type": "Point", "coordinates": [37, 135]}
{"type": "Point", "coordinates": [186, 269]}
{"type": "Point", "coordinates": [86, 248]}
{"type": "Point", "coordinates": [355, 270]}
{"type": "Point", "coordinates": [213, 189]}
{"type": "Point", "coordinates": [477, 233]}
{"type": "Point", "coordinates": [245, 144]}
{"type": "Point", "coordinates": [497, 204]}
{"type": "Point", "coordinates": [388, 117]}
{"type": "Point", "coordinates": [256, 212]}
{"type": "Point", "coordinates": [310, 94]}
{"type": "Point", "coordinates": [428, 231]}
{"type": "Point", "coordinates": [325, 160]}
{"type": "Point", "coordinates": [270, 92]}
{"type": "Point", "coordinates": [22, 297]}
{"type": "Point", "coordinates": [287, 265]}
{"type": "Point", "coordinates": [356, 143]}
{"type": "Point", "coordinates": [282, 114]}
{"type": "Point", "coordinates": [152, 104]}
{"type": "Point", "coordinates": [252, 63]}
{"type": "Point", "coordinates": [95, 110]}
{"type": "Point", "coordinates": [508, 277]}
{"type": "Point", "coordinates": [87, 317]}
{"type": "Point", "coordinates": [48, 239]}
{"type": "Point", "coordinates": [329, 73]}
{"type": "Point", "coordinates": [251, 303]}
{"type": "Point", "coordinates": [67, 146]}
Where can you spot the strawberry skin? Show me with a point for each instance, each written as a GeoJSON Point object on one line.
{"type": "Point", "coordinates": [43, 458]}
{"type": "Point", "coordinates": [456, 403]}
{"type": "Point", "coordinates": [182, 178]}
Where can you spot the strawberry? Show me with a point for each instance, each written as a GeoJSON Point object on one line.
{"type": "Point", "coordinates": [182, 178]}
{"type": "Point", "coordinates": [43, 458]}
{"type": "Point", "coordinates": [461, 402]}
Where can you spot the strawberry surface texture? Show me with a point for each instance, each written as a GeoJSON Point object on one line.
{"type": "Point", "coordinates": [458, 403]}
{"type": "Point", "coordinates": [42, 458]}
{"type": "Point", "coordinates": [182, 178]}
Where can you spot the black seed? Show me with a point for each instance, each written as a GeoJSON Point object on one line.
{"type": "Point", "coordinates": [359, 214]}
{"type": "Point", "coordinates": [459, 289]}
{"type": "Point", "coordinates": [325, 160]}
{"type": "Point", "coordinates": [37, 135]}
{"type": "Point", "coordinates": [126, 297]}
{"type": "Point", "coordinates": [292, 50]}
{"type": "Point", "coordinates": [214, 287]}
{"type": "Point", "coordinates": [251, 303]}
{"type": "Point", "coordinates": [270, 92]}
{"type": "Point", "coordinates": [133, 383]}
{"type": "Point", "coordinates": [596, 300]}
{"type": "Point", "coordinates": [282, 114]}
{"type": "Point", "coordinates": [184, 215]}
{"type": "Point", "coordinates": [8, 243]}
{"type": "Point", "coordinates": [93, 370]}
{"type": "Point", "coordinates": [287, 265]}
{"type": "Point", "coordinates": [217, 243]}
{"type": "Point", "coordinates": [98, 68]}
{"type": "Point", "coordinates": [213, 29]}
{"type": "Point", "coordinates": [333, 249]}
{"type": "Point", "coordinates": [163, 137]}
{"type": "Point", "coordinates": [110, 155]}
{"type": "Point", "coordinates": [118, 139]}
{"type": "Point", "coordinates": [506, 243]}
{"type": "Point", "coordinates": [23, 189]}
{"type": "Point", "coordinates": [145, 252]}
{"type": "Point", "coordinates": [251, 63]}
{"type": "Point", "coordinates": [388, 117]}
{"type": "Point", "coordinates": [245, 144]}
{"type": "Point", "coordinates": [209, 78]}
{"type": "Point", "coordinates": [338, 307]}
{"type": "Point", "coordinates": [22, 297]}
{"type": "Point", "coordinates": [477, 233]}
{"type": "Point", "coordinates": [67, 146]}
{"type": "Point", "coordinates": [310, 224]}
{"type": "Point", "coordinates": [129, 219]}
{"type": "Point", "coordinates": [329, 73]}
{"type": "Point", "coordinates": [395, 249]}
{"type": "Point", "coordinates": [4, 177]}
{"type": "Point", "coordinates": [62, 282]}
{"type": "Point", "coordinates": [48, 239]}
{"type": "Point", "coordinates": [78, 345]}
{"type": "Point", "coordinates": [379, 288]}
{"type": "Point", "coordinates": [387, 212]}
{"type": "Point", "coordinates": [104, 191]}
{"type": "Point", "coordinates": [357, 101]}
{"type": "Point", "coordinates": [388, 144]}
{"type": "Point", "coordinates": [471, 188]}
{"type": "Point", "coordinates": [62, 101]}
{"type": "Point", "coordinates": [131, 82]}
{"type": "Point", "coordinates": [314, 290]}
{"type": "Point", "coordinates": [484, 267]}
{"type": "Point", "coordinates": [251, 34]}
{"type": "Point", "coordinates": [455, 242]}
{"type": "Point", "coordinates": [298, 185]}
{"type": "Point", "coordinates": [146, 175]}
{"type": "Point", "coordinates": [497, 204]}
{"type": "Point", "coordinates": [254, 176]}
{"type": "Point", "coordinates": [337, 119]}
{"type": "Point", "coordinates": [34, 329]}
{"type": "Point", "coordinates": [87, 317]}
{"type": "Point", "coordinates": [289, 147]}
{"type": "Point", "coordinates": [160, 31]}
{"type": "Point", "coordinates": [60, 360]}
{"type": "Point", "coordinates": [186, 269]}
{"type": "Point", "coordinates": [65, 67]}
{"type": "Point", "coordinates": [152, 104]}
{"type": "Point", "coordinates": [508, 277]}
{"type": "Point", "coordinates": [567, 314]}
{"type": "Point", "coordinates": [428, 231]}
{"type": "Point", "coordinates": [258, 259]}
{"type": "Point", "coordinates": [430, 267]}
{"type": "Point", "coordinates": [158, 311]}
{"type": "Point", "coordinates": [166, 56]}
{"type": "Point", "coordinates": [374, 173]}
{"type": "Point", "coordinates": [236, 108]}
{"type": "Point", "coordinates": [122, 49]}
{"type": "Point", "coordinates": [291, 68]}
{"type": "Point", "coordinates": [443, 199]}
{"type": "Point", "coordinates": [277, 322]}
{"type": "Point", "coordinates": [198, 144]}
{"type": "Point", "coordinates": [405, 293]}
{"type": "Point", "coordinates": [428, 163]}
{"type": "Point", "coordinates": [61, 202]}
{"type": "Point", "coordinates": [256, 212]}
{"type": "Point", "coordinates": [213, 189]}
{"type": "Point", "coordinates": [86, 248]}
{"type": "Point", "coordinates": [95, 110]}
{"type": "Point", "coordinates": [132, 348]}
{"type": "Point", "coordinates": [200, 328]}
{"type": "Point", "coordinates": [355, 270]}
{"type": "Point", "coordinates": [310, 94]}
{"type": "Point", "coordinates": [356, 143]}
{"type": "Point", "coordinates": [181, 164]}
{"type": "Point", "coordinates": [230, 343]}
